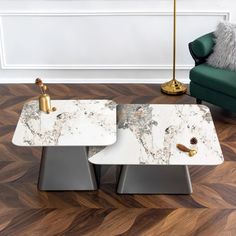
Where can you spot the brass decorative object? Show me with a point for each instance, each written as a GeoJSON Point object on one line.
{"type": "Point", "coordinates": [174, 87]}
{"type": "Point", "coordinates": [191, 152]}
{"type": "Point", "coordinates": [44, 98]}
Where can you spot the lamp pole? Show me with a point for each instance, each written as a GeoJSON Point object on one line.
{"type": "Point", "coordinates": [174, 87]}
{"type": "Point", "coordinates": [174, 41]}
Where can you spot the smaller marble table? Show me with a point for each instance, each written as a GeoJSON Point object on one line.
{"type": "Point", "coordinates": [146, 147]}
{"type": "Point", "coordinates": [64, 136]}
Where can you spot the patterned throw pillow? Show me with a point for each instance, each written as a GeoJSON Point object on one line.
{"type": "Point", "coordinates": [224, 54]}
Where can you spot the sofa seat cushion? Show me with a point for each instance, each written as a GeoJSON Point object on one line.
{"type": "Point", "coordinates": [220, 80]}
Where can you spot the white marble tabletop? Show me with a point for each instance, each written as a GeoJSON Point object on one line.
{"type": "Point", "coordinates": [148, 134]}
{"type": "Point", "coordinates": [74, 123]}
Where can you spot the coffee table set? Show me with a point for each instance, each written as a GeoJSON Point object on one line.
{"type": "Point", "coordinates": [82, 135]}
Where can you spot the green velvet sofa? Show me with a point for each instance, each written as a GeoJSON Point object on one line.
{"type": "Point", "coordinates": [216, 86]}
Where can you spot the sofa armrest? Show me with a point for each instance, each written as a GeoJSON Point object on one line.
{"type": "Point", "coordinates": [202, 47]}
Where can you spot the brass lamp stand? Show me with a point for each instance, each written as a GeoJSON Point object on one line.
{"type": "Point", "coordinates": [174, 87]}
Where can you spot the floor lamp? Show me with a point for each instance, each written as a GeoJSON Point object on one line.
{"type": "Point", "coordinates": [174, 87]}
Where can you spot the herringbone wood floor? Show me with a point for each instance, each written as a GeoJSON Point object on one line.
{"type": "Point", "coordinates": [210, 210]}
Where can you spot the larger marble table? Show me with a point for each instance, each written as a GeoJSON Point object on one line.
{"type": "Point", "coordinates": [65, 135]}
{"type": "Point", "coordinates": [146, 147]}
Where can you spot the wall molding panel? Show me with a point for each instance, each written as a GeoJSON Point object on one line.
{"type": "Point", "coordinates": [101, 41]}
{"type": "Point", "coordinates": [7, 64]}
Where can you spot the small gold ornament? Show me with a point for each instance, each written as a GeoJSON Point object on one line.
{"type": "Point", "coordinates": [191, 152]}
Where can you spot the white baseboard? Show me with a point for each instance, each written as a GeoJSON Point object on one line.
{"type": "Point", "coordinates": [89, 81]}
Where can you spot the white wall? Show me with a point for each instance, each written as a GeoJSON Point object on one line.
{"type": "Point", "coordinates": [102, 41]}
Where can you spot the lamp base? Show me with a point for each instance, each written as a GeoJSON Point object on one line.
{"type": "Point", "coordinates": [173, 87]}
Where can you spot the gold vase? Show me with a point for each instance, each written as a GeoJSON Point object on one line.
{"type": "Point", "coordinates": [45, 103]}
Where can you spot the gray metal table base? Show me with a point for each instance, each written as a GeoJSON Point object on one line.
{"type": "Point", "coordinates": [153, 179]}
{"type": "Point", "coordinates": [66, 168]}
